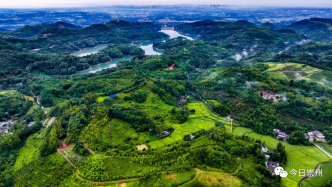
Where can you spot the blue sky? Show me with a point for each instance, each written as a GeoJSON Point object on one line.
{"type": "Point", "coordinates": [83, 3]}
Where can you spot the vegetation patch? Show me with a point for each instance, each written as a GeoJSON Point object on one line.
{"type": "Point", "coordinates": [298, 157]}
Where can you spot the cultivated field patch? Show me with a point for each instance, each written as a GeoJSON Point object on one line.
{"type": "Point", "coordinates": [298, 157]}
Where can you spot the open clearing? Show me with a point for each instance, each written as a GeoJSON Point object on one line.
{"type": "Point", "coordinates": [102, 98]}
{"type": "Point", "coordinates": [299, 71]}
{"type": "Point", "coordinates": [298, 157]}
{"type": "Point", "coordinates": [209, 178]}
{"type": "Point", "coordinates": [319, 181]}
{"type": "Point", "coordinates": [203, 118]}
{"type": "Point", "coordinates": [327, 148]}
{"type": "Point", "coordinates": [142, 147]}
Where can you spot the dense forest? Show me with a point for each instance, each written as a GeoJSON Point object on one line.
{"type": "Point", "coordinates": [142, 122]}
{"type": "Point", "coordinates": [50, 47]}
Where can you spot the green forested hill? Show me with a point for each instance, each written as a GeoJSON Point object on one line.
{"type": "Point", "coordinates": [318, 29]}
{"type": "Point", "coordinates": [30, 31]}
{"type": "Point", "coordinates": [242, 35]}
{"type": "Point", "coordinates": [163, 120]}
{"type": "Point", "coordinates": [49, 52]}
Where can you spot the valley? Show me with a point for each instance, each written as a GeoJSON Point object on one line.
{"type": "Point", "coordinates": [210, 103]}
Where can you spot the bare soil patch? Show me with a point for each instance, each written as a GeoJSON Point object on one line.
{"type": "Point", "coordinates": [172, 176]}
{"type": "Point", "coordinates": [64, 146]}
{"type": "Point", "coordinates": [170, 68]}
{"type": "Point", "coordinates": [141, 147]}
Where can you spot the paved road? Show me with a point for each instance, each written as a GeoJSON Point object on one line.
{"type": "Point", "coordinates": [323, 150]}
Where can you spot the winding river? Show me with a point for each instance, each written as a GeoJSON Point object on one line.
{"type": "Point", "coordinates": [147, 46]}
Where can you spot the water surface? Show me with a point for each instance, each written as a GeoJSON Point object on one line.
{"type": "Point", "coordinates": [89, 50]}
{"type": "Point", "coordinates": [147, 46]}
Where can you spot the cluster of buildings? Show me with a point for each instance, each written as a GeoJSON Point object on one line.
{"type": "Point", "coordinates": [315, 135]}
{"type": "Point", "coordinates": [281, 135]}
{"type": "Point", "coordinates": [269, 164]}
{"type": "Point", "coordinates": [4, 126]}
{"type": "Point", "coordinates": [164, 134]}
{"type": "Point", "coordinates": [270, 95]}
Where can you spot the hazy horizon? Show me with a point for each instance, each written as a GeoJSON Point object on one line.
{"type": "Point", "coordinates": [90, 3]}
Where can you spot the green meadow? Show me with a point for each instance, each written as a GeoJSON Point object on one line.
{"type": "Point", "coordinates": [320, 180]}
{"type": "Point", "coordinates": [203, 118]}
{"type": "Point", "coordinates": [208, 178]}
{"type": "Point", "coordinates": [297, 71]}
{"type": "Point", "coordinates": [327, 148]}
{"type": "Point", "coordinates": [298, 157]}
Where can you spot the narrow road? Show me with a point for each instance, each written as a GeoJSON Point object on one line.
{"type": "Point", "coordinates": [318, 166]}
{"type": "Point", "coordinates": [323, 150]}
{"type": "Point", "coordinates": [32, 94]}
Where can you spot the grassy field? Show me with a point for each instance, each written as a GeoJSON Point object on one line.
{"type": "Point", "coordinates": [208, 178]}
{"type": "Point", "coordinates": [30, 151]}
{"type": "Point", "coordinates": [97, 168]}
{"type": "Point", "coordinates": [7, 92]}
{"type": "Point", "coordinates": [319, 181]}
{"type": "Point", "coordinates": [42, 171]}
{"type": "Point", "coordinates": [298, 157]}
{"type": "Point", "coordinates": [102, 98]}
{"type": "Point", "coordinates": [203, 118]}
{"type": "Point", "coordinates": [32, 109]}
{"type": "Point", "coordinates": [327, 148]}
{"type": "Point", "coordinates": [175, 179]}
{"type": "Point", "coordinates": [298, 72]}
{"type": "Point", "coordinates": [98, 131]}
{"type": "Point", "coordinates": [122, 133]}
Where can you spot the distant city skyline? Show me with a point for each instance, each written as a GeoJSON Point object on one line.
{"type": "Point", "coordinates": [87, 3]}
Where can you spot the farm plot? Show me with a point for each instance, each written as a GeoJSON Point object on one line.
{"type": "Point", "coordinates": [319, 181]}
{"type": "Point", "coordinates": [203, 118]}
{"type": "Point", "coordinates": [208, 178]}
{"type": "Point", "coordinates": [121, 132]}
{"type": "Point", "coordinates": [327, 148]}
{"type": "Point", "coordinates": [298, 157]}
{"type": "Point", "coordinates": [299, 71]}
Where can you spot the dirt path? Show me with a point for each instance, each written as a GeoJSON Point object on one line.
{"type": "Point", "coordinates": [197, 173]}
{"type": "Point", "coordinates": [237, 169]}
{"type": "Point", "coordinates": [50, 121]}
{"type": "Point", "coordinates": [94, 182]}
{"type": "Point", "coordinates": [229, 117]}
{"type": "Point", "coordinates": [108, 134]}
{"type": "Point", "coordinates": [45, 121]}
{"type": "Point", "coordinates": [32, 94]}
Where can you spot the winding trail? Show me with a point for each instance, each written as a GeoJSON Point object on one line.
{"type": "Point", "coordinates": [94, 153]}
{"type": "Point", "coordinates": [108, 134]}
{"type": "Point", "coordinates": [308, 177]}
{"type": "Point", "coordinates": [198, 172]}
{"type": "Point", "coordinates": [95, 182]}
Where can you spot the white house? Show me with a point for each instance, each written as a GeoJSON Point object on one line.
{"type": "Point", "coordinates": [315, 135]}
{"type": "Point", "coordinates": [264, 149]}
